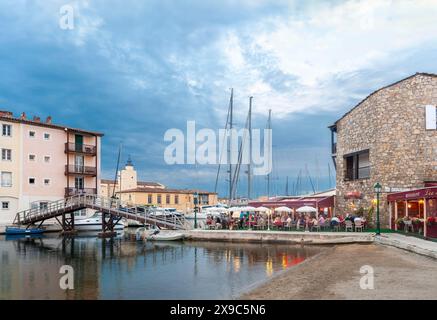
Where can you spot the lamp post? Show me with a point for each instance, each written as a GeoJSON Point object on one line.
{"type": "Point", "coordinates": [196, 201]}
{"type": "Point", "coordinates": [377, 187]}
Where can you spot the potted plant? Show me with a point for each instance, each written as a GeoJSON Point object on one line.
{"type": "Point", "coordinates": [400, 223]}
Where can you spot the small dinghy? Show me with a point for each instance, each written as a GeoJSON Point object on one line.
{"type": "Point", "coordinates": [153, 233]}
{"type": "Point", "coordinates": [22, 231]}
{"type": "Point", "coordinates": [165, 236]}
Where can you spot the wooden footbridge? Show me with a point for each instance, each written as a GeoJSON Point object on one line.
{"type": "Point", "coordinates": [113, 210]}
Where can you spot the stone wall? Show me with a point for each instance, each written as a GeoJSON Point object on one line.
{"type": "Point", "coordinates": [391, 124]}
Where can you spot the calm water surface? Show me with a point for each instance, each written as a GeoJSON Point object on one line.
{"type": "Point", "coordinates": [123, 268]}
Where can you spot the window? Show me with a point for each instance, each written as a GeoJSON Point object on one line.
{"type": "Point", "coordinates": [159, 199]}
{"type": "Point", "coordinates": [176, 199]}
{"type": "Point", "coordinates": [31, 180]}
{"type": "Point", "coordinates": [46, 159]}
{"type": "Point", "coordinates": [5, 205]}
{"type": "Point", "coordinates": [6, 179]}
{"type": "Point", "coordinates": [6, 130]}
{"type": "Point", "coordinates": [149, 198]}
{"type": "Point", "coordinates": [80, 213]}
{"type": "Point", "coordinates": [32, 157]}
{"type": "Point", "coordinates": [46, 136]}
{"type": "Point", "coordinates": [43, 205]}
{"type": "Point", "coordinates": [167, 198]}
{"type": "Point", "coordinates": [357, 165]}
{"type": "Point", "coordinates": [32, 134]}
{"type": "Point", "coordinates": [430, 117]}
{"type": "Point", "coordinates": [7, 154]}
{"type": "Point", "coordinates": [46, 182]}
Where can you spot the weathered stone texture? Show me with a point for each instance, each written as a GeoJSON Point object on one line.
{"type": "Point", "coordinates": [391, 124]}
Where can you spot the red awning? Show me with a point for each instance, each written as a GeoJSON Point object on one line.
{"type": "Point", "coordinates": [413, 194]}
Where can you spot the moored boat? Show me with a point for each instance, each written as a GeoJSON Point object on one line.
{"type": "Point", "coordinates": [94, 223]}
{"type": "Point", "coordinates": [23, 231]}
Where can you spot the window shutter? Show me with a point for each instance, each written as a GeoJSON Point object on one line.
{"type": "Point", "coordinates": [431, 121]}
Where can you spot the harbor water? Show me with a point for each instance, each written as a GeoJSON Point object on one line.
{"type": "Point", "coordinates": [123, 268]}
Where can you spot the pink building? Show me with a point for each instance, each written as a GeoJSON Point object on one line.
{"type": "Point", "coordinates": [42, 162]}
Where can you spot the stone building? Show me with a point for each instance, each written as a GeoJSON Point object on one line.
{"type": "Point", "coordinates": [390, 137]}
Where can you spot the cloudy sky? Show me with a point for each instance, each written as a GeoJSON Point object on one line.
{"type": "Point", "coordinates": [133, 69]}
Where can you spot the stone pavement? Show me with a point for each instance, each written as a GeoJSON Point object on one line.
{"type": "Point", "coordinates": [409, 243]}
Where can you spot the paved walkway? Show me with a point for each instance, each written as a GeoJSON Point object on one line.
{"type": "Point", "coordinates": [335, 273]}
{"type": "Point", "coordinates": [410, 243]}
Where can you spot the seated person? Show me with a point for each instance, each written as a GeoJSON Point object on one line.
{"type": "Point", "coordinates": [289, 221]}
{"type": "Point", "coordinates": [335, 221]}
{"type": "Point", "coordinates": [321, 220]}
{"type": "Point", "coordinates": [277, 221]}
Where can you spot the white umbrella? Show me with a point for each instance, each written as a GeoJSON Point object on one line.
{"type": "Point", "coordinates": [235, 209]}
{"type": "Point", "coordinates": [283, 209]}
{"type": "Point", "coordinates": [262, 209]}
{"type": "Point", "coordinates": [306, 209]}
{"type": "Point", "coordinates": [248, 208]}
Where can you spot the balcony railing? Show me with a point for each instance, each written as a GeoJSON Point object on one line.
{"type": "Point", "coordinates": [80, 148]}
{"type": "Point", "coordinates": [76, 191]}
{"type": "Point", "coordinates": [76, 169]}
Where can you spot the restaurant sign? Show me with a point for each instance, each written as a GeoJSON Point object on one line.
{"type": "Point", "coordinates": [413, 194]}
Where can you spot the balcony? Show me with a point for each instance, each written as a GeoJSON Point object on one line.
{"type": "Point", "coordinates": [80, 148]}
{"type": "Point", "coordinates": [80, 170]}
{"type": "Point", "coordinates": [75, 191]}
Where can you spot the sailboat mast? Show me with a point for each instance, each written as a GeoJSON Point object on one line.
{"type": "Point", "coordinates": [249, 173]}
{"type": "Point", "coordinates": [269, 126]}
{"type": "Point", "coordinates": [286, 187]}
{"type": "Point", "coordinates": [231, 110]}
{"type": "Point", "coordinates": [116, 171]}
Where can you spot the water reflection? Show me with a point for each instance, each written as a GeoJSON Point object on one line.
{"type": "Point", "coordinates": [122, 268]}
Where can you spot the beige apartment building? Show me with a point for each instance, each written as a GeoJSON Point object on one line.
{"type": "Point", "coordinates": [390, 137]}
{"type": "Point", "coordinates": [134, 192]}
{"type": "Point", "coordinates": [43, 162]}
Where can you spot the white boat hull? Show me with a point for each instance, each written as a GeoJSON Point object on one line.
{"type": "Point", "coordinates": [167, 236]}
{"type": "Point", "coordinates": [93, 225]}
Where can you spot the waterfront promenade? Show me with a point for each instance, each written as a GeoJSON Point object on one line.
{"type": "Point", "coordinates": [335, 274]}
{"type": "Point", "coordinates": [290, 237]}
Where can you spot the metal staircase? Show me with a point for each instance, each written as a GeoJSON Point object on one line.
{"type": "Point", "coordinates": [109, 207]}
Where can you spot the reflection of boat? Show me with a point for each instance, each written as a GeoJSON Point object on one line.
{"type": "Point", "coordinates": [23, 231]}
{"type": "Point", "coordinates": [94, 223]}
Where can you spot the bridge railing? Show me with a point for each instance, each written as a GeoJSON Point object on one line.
{"type": "Point", "coordinates": [115, 207]}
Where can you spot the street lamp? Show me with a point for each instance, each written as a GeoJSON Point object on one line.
{"type": "Point", "coordinates": [196, 201]}
{"type": "Point", "coordinates": [377, 187]}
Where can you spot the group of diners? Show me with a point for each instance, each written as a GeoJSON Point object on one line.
{"type": "Point", "coordinates": [287, 221]}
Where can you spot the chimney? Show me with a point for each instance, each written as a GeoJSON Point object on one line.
{"type": "Point", "coordinates": [36, 119]}
{"type": "Point", "coordinates": [23, 116]}
{"type": "Point", "coordinates": [4, 113]}
{"type": "Point", "coordinates": [49, 120]}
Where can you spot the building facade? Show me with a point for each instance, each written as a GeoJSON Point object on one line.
{"type": "Point", "coordinates": [390, 137]}
{"type": "Point", "coordinates": [43, 162]}
{"type": "Point", "coordinates": [134, 192]}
